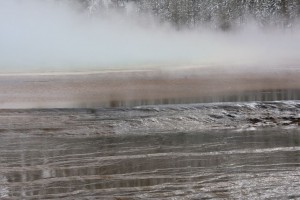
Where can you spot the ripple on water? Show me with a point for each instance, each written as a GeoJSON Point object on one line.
{"type": "Point", "coordinates": [210, 164]}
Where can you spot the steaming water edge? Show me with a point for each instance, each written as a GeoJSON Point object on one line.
{"type": "Point", "coordinates": [109, 145]}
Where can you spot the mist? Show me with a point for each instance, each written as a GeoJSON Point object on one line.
{"type": "Point", "coordinates": [56, 36]}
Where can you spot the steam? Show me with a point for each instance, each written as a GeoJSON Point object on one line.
{"type": "Point", "coordinates": [48, 35]}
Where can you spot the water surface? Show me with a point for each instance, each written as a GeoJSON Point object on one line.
{"type": "Point", "coordinates": [219, 164]}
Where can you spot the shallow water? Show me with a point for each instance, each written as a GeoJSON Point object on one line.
{"type": "Point", "coordinates": [216, 164]}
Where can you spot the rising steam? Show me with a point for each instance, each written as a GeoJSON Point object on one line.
{"type": "Point", "coordinates": [51, 35]}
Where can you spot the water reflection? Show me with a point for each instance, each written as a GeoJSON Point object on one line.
{"type": "Point", "coordinates": [241, 96]}
{"type": "Point", "coordinates": [215, 164]}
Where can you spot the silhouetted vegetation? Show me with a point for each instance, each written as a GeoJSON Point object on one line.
{"type": "Point", "coordinates": [217, 14]}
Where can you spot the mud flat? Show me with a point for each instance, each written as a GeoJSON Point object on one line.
{"type": "Point", "coordinates": [128, 88]}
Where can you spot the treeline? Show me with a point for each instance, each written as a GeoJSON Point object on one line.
{"type": "Point", "coordinates": [217, 14]}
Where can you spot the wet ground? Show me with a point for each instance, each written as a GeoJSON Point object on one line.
{"type": "Point", "coordinates": [198, 151]}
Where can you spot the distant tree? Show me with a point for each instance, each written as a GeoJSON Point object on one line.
{"type": "Point", "coordinates": [219, 14]}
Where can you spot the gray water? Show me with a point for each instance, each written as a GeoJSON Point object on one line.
{"type": "Point", "coordinates": [211, 164]}
{"type": "Point", "coordinates": [47, 154]}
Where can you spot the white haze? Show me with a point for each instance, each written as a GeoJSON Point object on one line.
{"type": "Point", "coordinates": [46, 36]}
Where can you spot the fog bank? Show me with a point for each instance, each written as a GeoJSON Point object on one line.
{"type": "Point", "coordinates": [46, 36]}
